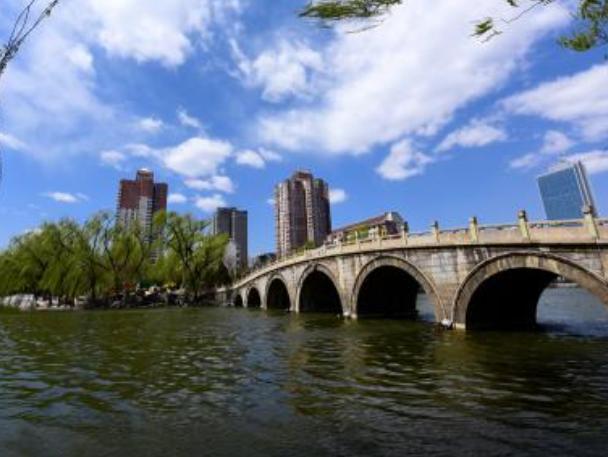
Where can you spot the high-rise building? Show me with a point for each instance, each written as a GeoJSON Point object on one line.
{"type": "Point", "coordinates": [140, 199]}
{"type": "Point", "coordinates": [302, 212]}
{"type": "Point", "coordinates": [565, 190]}
{"type": "Point", "coordinates": [233, 222]}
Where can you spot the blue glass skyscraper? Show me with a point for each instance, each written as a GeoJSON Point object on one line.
{"type": "Point", "coordinates": [565, 190]}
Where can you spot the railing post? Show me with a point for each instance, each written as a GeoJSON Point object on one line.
{"type": "Point", "coordinates": [435, 231]}
{"type": "Point", "coordinates": [357, 242]}
{"type": "Point", "coordinates": [523, 224]}
{"type": "Point", "coordinates": [404, 232]}
{"type": "Point", "coordinates": [474, 229]}
{"type": "Point", "coordinates": [590, 223]}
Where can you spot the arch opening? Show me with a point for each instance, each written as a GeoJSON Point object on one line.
{"type": "Point", "coordinates": [238, 301]}
{"type": "Point", "coordinates": [319, 294]}
{"type": "Point", "coordinates": [278, 296]}
{"type": "Point", "coordinates": [508, 300]}
{"type": "Point", "coordinates": [390, 292]}
{"type": "Point", "coordinates": [253, 298]}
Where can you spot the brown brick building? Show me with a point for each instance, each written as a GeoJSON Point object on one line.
{"type": "Point", "coordinates": [140, 199]}
{"type": "Point", "coordinates": [302, 212]}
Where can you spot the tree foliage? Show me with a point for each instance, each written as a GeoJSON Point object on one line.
{"type": "Point", "coordinates": [591, 18]}
{"type": "Point", "coordinates": [106, 262]}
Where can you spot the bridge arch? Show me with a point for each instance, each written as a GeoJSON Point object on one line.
{"type": "Point", "coordinates": [237, 301]}
{"type": "Point", "coordinates": [254, 299]}
{"type": "Point", "coordinates": [394, 282]}
{"type": "Point", "coordinates": [319, 291]}
{"type": "Point", "coordinates": [277, 293]}
{"type": "Point", "coordinates": [503, 292]}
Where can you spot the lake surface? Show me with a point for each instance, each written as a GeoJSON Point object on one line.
{"type": "Point", "coordinates": [232, 382]}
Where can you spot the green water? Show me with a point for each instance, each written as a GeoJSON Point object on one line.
{"type": "Point", "coordinates": [224, 382]}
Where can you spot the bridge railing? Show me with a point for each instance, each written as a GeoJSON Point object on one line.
{"type": "Point", "coordinates": [588, 229]}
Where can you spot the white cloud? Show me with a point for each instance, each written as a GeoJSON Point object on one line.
{"type": "Point", "coordinates": [197, 157]}
{"type": "Point", "coordinates": [65, 197]}
{"type": "Point", "coordinates": [113, 158]}
{"type": "Point", "coordinates": [525, 162]}
{"type": "Point", "coordinates": [406, 77]}
{"type": "Point", "coordinates": [580, 99]}
{"type": "Point", "coordinates": [177, 198]}
{"type": "Point", "coordinates": [159, 30]}
{"type": "Point", "coordinates": [403, 162]}
{"type": "Point", "coordinates": [337, 196]}
{"type": "Point", "coordinates": [595, 161]}
{"type": "Point", "coordinates": [257, 159]}
{"type": "Point", "coordinates": [188, 121]}
{"type": "Point", "coordinates": [475, 134]}
{"type": "Point", "coordinates": [271, 201]}
{"type": "Point", "coordinates": [150, 124]}
{"type": "Point", "coordinates": [556, 142]}
{"type": "Point", "coordinates": [250, 158]}
{"type": "Point", "coordinates": [221, 183]}
{"type": "Point", "coordinates": [210, 204]}
{"type": "Point", "coordinates": [141, 150]}
{"type": "Point", "coordinates": [282, 71]}
{"type": "Point", "coordinates": [270, 156]}
{"type": "Point", "coordinates": [50, 93]}
{"type": "Point", "coordinates": [12, 142]}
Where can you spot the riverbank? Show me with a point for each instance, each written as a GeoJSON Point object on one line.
{"type": "Point", "coordinates": [151, 299]}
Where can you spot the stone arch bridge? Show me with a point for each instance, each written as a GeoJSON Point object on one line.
{"type": "Point", "coordinates": [477, 277]}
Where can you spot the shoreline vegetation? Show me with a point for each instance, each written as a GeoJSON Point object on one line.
{"type": "Point", "coordinates": [101, 264]}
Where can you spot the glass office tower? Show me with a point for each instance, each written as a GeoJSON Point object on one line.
{"type": "Point", "coordinates": [565, 190]}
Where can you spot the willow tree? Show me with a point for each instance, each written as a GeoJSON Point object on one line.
{"type": "Point", "coordinates": [191, 258]}
{"type": "Point", "coordinates": [590, 31]}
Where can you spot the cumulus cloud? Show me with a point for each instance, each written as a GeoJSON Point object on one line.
{"type": "Point", "coordinates": [390, 82]}
{"type": "Point", "coordinates": [197, 157]}
{"type": "Point", "coordinates": [337, 196]}
{"type": "Point", "coordinates": [187, 120]}
{"type": "Point", "coordinates": [580, 99]}
{"type": "Point", "coordinates": [177, 198]}
{"type": "Point", "coordinates": [282, 71]}
{"type": "Point", "coordinates": [257, 159]}
{"type": "Point", "coordinates": [554, 142]}
{"type": "Point", "coordinates": [66, 197]}
{"type": "Point", "coordinates": [526, 162]}
{"type": "Point", "coordinates": [595, 162]}
{"type": "Point", "coordinates": [113, 158]}
{"type": "Point", "coordinates": [250, 158]}
{"type": "Point", "coordinates": [50, 93]}
{"type": "Point", "coordinates": [160, 30]}
{"type": "Point", "coordinates": [403, 162]}
{"type": "Point", "coordinates": [220, 183]}
{"type": "Point", "coordinates": [475, 134]}
{"type": "Point", "coordinates": [211, 203]}
{"type": "Point", "coordinates": [150, 124]}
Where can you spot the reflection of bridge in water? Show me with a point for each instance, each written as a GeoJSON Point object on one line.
{"type": "Point", "coordinates": [478, 277]}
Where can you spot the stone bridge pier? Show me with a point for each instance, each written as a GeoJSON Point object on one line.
{"type": "Point", "coordinates": [476, 278]}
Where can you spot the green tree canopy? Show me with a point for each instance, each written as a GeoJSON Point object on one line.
{"type": "Point", "coordinates": [590, 30]}
{"type": "Point", "coordinates": [105, 260]}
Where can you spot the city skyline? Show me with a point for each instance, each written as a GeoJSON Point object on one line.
{"type": "Point", "coordinates": [207, 117]}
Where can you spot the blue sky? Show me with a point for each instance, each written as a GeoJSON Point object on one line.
{"type": "Point", "coordinates": [223, 98]}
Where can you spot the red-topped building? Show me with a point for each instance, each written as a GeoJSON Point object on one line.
{"type": "Point", "coordinates": [140, 199]}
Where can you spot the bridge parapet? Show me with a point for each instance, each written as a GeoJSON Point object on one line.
{"type": "Point", "coordinates": [575, 231]}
